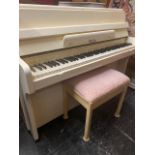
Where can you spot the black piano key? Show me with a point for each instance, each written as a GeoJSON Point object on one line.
{"type": "Point", "coordinates": [54, 63]}
{"type": "Point", "coordinates": [89, 54]}
{"type": "Point", "coordinates": [32, 68]}
{"type": "Point", "coordinates": [71, 59]}
{"type": "Point", "coordinates": [86, 55]}
{"type": "Point", "coordinates": [49, 64]}
{"type": "Point", "coordinates": [80, 56]}
{"type": "Point", "coordinates": [120, 45]}
{"type": "Point", "coordinates": [127, 44]}
{"type": "Point", "coordinates": [95, 52]}
{"type": "Point", "coordinates": [75, 58]}
{"type": "Point", "coordinates": [117, 46]}
{"type": "Point", "coordinates": [38, 67]}
{"type": "Point", "coordinates": [60, 61]}
{"type": "Point", "coordinates": [41, 65]}
{"type": "Point", "coordinates": [105, 49]}
{"type": "Point", "coordinates": [63, 61]}
{"type": "Point", "coordinates": [101, 51]}
{"type": "Point", "coordinates": [109, 48]}
{"type": "Point", "coordinates": [113, 48]}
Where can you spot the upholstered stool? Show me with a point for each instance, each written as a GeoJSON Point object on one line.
{"type": "Point", "coordinates": [94, 88]}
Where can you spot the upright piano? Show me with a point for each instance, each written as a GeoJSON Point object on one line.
{"type": "Point", "coordinates": [60, 42]}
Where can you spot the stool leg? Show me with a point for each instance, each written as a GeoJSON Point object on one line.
{"type": "Point", "coordinates": [87, 124]}
{"type": "Point", "coordinates": [65, 105]}
{"type": "Point", "coordinates": [120, 103]}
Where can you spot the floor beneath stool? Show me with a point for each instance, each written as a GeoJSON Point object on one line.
{"type": "Point", "coordinates": [109, 136]}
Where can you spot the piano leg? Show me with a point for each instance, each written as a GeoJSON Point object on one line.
{"type": "Point", "coordinates": [125, 65]}
{"type": "Point", "coordinates": [33, 126]}
{"type": "Point", "coordinates": [65, 104]}
{"type": "Point", "coordinates": [22, 103]}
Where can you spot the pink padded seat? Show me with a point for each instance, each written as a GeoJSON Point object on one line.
{"type": "Point", "coordinates": [95, 84]}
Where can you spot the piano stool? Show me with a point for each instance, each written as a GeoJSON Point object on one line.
{"type": "Point", "coordinates": [93, 89]}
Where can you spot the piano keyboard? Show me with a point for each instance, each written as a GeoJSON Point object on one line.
{"type": "Point", "coordinates": [67, 62]}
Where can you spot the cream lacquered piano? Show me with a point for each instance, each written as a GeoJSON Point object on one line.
{"type": "Point", "coordinates": [60, 42]}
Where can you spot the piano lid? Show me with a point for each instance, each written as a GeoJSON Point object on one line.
{"type": "Point", "coordinates": [40, 21]}
{"type": "Point", "coordinates": [46, 28]}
